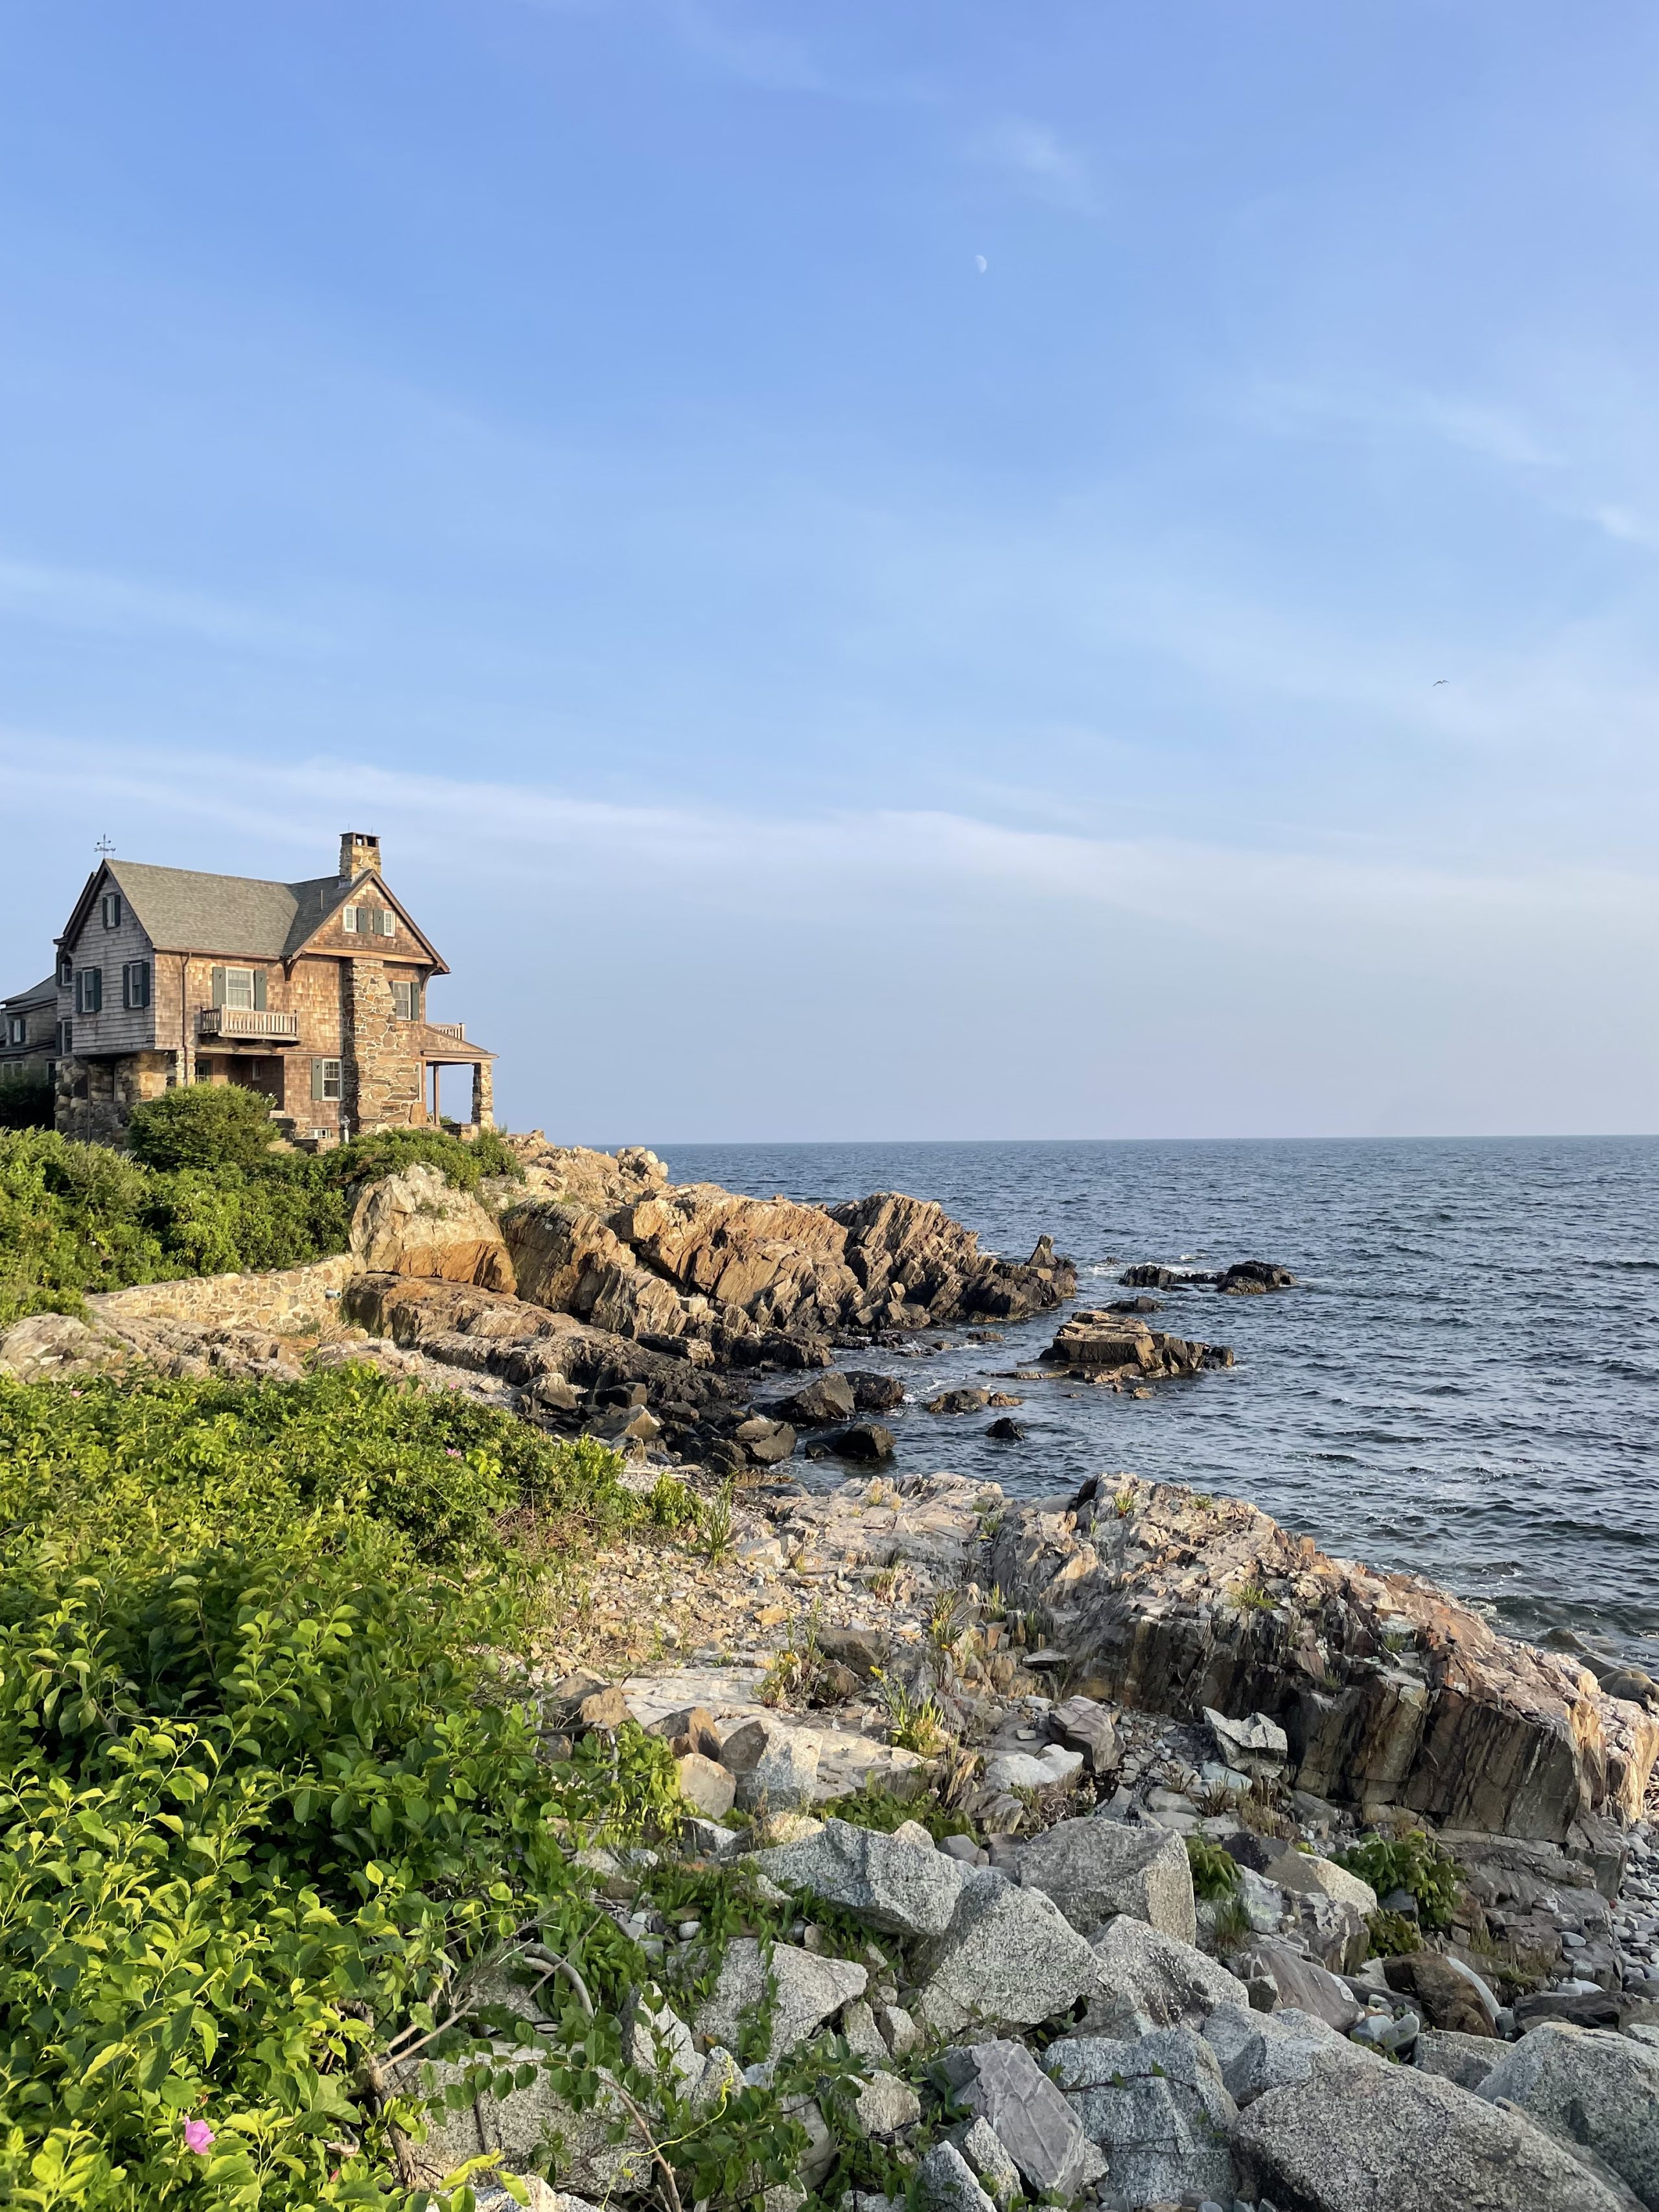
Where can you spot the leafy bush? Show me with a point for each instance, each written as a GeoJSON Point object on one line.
{"type": "Point", "coordinates": [1215, 1870]}
{"type": "Point", "coordinates": [201, 1192]}
{"type": "Point", "coordinates": [202, 1125]}
{"type": "Point", "coordinates": [26, 1101]}
{"type": "Point", "coordinates": [266, 1787]}
{"type": "Point", "coordinates": [1410, 1861]}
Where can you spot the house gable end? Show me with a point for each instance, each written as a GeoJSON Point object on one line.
{"type": "Point", "coordinates": [329, 936]}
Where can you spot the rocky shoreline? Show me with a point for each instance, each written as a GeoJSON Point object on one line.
{"type": "Point", "coordinates": [1154, 1737]}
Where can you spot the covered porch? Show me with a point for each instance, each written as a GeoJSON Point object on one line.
{"type": "Point", "coordinates": [441, 1045]}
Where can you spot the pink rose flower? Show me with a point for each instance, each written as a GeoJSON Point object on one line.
{"type": "Point", "coordinates": [198, 2137]}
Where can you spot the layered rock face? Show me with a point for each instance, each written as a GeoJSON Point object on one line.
{"type": "Point", "coordinates": [416, 1222]}
{"type": "Point", "coordinates": [1390, 1690]}
{"type": "Point", "coordinates": [1105, 1342]}
{"type": "Point", "coordinates": [701, 1264]}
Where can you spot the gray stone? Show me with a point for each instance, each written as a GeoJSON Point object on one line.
{"type": "Point", "coordinates": [520, 2124]}
{"type": "Point", "coordinates": [858, 2025]}
{"type": "Point", "coordinates": [1143, 1976]}
{"type": "Point", "coordinates": [785, 1777]}
{"type": "Point", "coordinates": [1374, 2137]}
{"type": "Point", "coordinates": [1003, 2085]}
{"type": "Point", "coordinates": [1464, 2059]}
{"type": "Point", "coordinates": [985, 2152]}
{"type": "Point", "coordinates": [1263, 1901]}
{"type": "Point", "coordinates": [945, 2183]}
{"type": "Point", "coordinates": [1591, 2089]}
{"type": "Point", "coordinates": [1084, 1726]}
{"type": "Point", "coordinates": [886, 1881]}
{"type": "Point", "coordinates": [708, 1839]}
{"type": "Point", "coordinates": [1026, 1770]}
{"type": "Point", "coordinates": [808, 1988]}
{"type": "Point", "coordinates": [1292, 1979]}
{"type": "Point", "coordinates": [898, 2031]}
{"type": "Point", "coordinates": [1392, 2034]}
{"type": "Point", "coordinates": [1157, 2107]}
{"type": "Point", "coordinates": [653, 2036]}
{"type": "Point", "coordinates": [1305, 1876]}
{"type": "Point", "coordinates": [1008, 1957]}
{"type": "Point", "coordinates": [884, 2105]}
{"type": "Point", "coordinates": [1258, 2052]}
{"type": "Point", "coordinates": [712, 1789]}
{"type": "Point", "coordinates": [1095, 1869]}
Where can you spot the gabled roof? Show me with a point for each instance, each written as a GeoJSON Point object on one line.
{"type": "Point", "coordinates": [186, 910]}
{"type": "Point", "coordinates": [44, 993]}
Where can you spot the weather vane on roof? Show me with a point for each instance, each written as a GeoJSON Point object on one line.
{"type": "Point", "coordinates": [104, 845]}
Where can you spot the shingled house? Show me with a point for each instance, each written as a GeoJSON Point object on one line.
{"type": "Point", "coordinates": [314, 994]}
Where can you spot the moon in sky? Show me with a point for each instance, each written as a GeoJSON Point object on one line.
{"type": "Point", "coordinates": [980, 264]}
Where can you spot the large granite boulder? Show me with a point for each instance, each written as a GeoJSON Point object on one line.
{"type": "Point", "coordinates": [807, 1990]}
{"type": "Point", "coordinates": [1390, 1690]}
{"type": "Point", "coordinates": [1157, 2107]}
{"type": "Point", "coordinates": [601, 1181]}
{"type": "Point", "coordinates": [1373, 2137]}
{"type": "Point", "coordinates": [416, 1222]}
{"type": "Point", "coordinates": [1590, 2091]}
{"type": "Point", "coordinates": [888, 1883]}
{"type": "Point", "coordinates": [1003, 2085]}
{"type": "Point", "coordinates": [1104, 1342]}
{"type": "Point", "coordinates": [1144, 1979]}
{"type": "Point", "coordinates": [1095, 1869]}
{"type": "Point", "coordinates": [1007, 1958]}
{"type": "Point", "coordinates": [1261, 2051]}
{"type": "Point", "coordinates": [567, 1259]}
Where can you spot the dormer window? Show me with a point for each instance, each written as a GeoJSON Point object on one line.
{"type": "Point", "coordinates": [368, 922]}
{"type": "Point", "coordinates": [112, 909]}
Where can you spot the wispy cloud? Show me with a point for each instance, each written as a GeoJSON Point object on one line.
{"type": "Point", "coordinates": [1042, 160]}
{"type": "Point", "coordinates": [124, 606]}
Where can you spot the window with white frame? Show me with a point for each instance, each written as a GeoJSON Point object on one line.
{"type": "Point", "coordinates": [89, 990]}
{"type": "Point", "coordinates": [65, 1037]}
{"type": "Point", "coordinates": [406, 998]}
{"type": "Point", "coordinates": [112, 904]}
{"type": "Point", "coordinates": [17, 1029]}
{"type": "Point", "coordinates": [326, 1078]}
{"type": "Point", "coordinates": [243, 989]}
{"type": "Point", "coordinates": [135, 984]}
{"type": "Point", "coordinates": [368, 922]}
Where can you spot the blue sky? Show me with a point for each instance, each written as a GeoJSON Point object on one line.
{"type": "Point", "coordinates": [881, 569]}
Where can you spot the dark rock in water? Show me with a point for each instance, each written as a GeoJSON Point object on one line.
{"type": "Point", "coordinates": [1247, 1277]}
{"type": "Point", "coordinates": [826, 1398]}
{"type": "Point", "coordinates": [959, 1401]}
{"type": "Point", "coordinates": [776, 1348]}
{"type": "Point", "coordinates": [864, 1440]}
{"type": "Point", "coordinates": [1099, 1342]}
{"type": "Point", "coordinates": [1633, 1683]}
{"type": "Point", "coordinates": [765, 1441]}
{"type": "Point", "coordinates": [1142, 1306]}
{"type": "Point", "coordinates": [875, 1394]}
{"type": "Point", "coordinates": [1147, 1275]}
{"type": "Point", "coordinates": [1006, 1432]}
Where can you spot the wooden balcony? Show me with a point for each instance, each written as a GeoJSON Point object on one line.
{"type": "Point", "coordinates": [240, 1022]}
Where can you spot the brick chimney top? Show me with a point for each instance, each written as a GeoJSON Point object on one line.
{"type": "Point", "coordinates": [359, 851]}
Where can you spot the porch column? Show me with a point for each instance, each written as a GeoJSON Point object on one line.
{"type": "Point", "coordinates": [484, 1095]}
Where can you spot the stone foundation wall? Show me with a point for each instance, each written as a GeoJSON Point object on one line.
{"type": "Point", "coordinates": [294, 1298]}
{"type": "Point", "coordinates": [94, 1097]}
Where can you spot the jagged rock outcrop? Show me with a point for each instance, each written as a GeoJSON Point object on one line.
{"type": "Point", "coordinates": [600, 1181]}
{"type": "Point", "coordinates": [568, 1258]}
{"type": "Point", "coordinates": [416, 1222]}
{"type": "Point", "coordinates": [1099, 1341]}
{"type": "Point", "coordinates": [1390, 1690]}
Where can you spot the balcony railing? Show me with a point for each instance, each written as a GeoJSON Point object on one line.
{"type": "Point", "coordinates": [240, 1022]}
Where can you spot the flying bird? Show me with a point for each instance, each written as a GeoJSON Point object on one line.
{"type": "Point", "coordinates": [1437, 681]}
{"type": "Point", "coordinates": [980, 264]}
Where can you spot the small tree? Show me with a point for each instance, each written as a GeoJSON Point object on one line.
{"type": "Point", "coordinates": [202, 1125]}
{"type": "Point", "coordinates": [26, 1101]}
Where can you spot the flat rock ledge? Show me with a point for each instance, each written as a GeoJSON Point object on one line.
{"type": "Point", "coordinates": [1390, 1692]}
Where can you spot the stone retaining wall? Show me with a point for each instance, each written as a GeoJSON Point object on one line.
{"type": "Point", "coordinates": [294, 1298]}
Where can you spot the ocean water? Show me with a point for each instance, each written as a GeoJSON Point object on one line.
{"type": "Point", "coordinates": [1465, 1385]}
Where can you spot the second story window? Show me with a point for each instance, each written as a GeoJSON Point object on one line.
{"type": "Point", "coordinates": [406, 998]}
{"type": "Point", "coordinates": [66, 968]}
{"type": "Point", "coordinates": [368, 922]}
{"type": "Point", "coordinates": [65, 1038]}
{"type": "Point", "coordinates": [17, 1029]}
{"type": "Point", "coordinates": [135, 983]}
{"type": "Point", "coordinates": [112, 904]}
{"type": "Point", "coordinates": [89, 990]}
{"type": "Point", "coordinates": [241, 987]}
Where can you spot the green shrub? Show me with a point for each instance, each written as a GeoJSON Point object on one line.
{"type": "Point", "coordinates": [202, 1125]}
{"type": "Point", "coordinates": [1215, 1870]}
{"type": "Point", "coordinates": [1410, 1861]}
{"type": "Point", "coordinates": [388, 1152]}
{"type": "Point", "coordinates": [26, 1101]}
{"type": "Point", "coordinates": [265, 1786]}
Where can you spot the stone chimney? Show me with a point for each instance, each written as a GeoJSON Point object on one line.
{"type": "Point", "coordinates": [359, 851]}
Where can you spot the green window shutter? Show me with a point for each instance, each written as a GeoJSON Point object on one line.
{"type": "Point", "coordinates": [144, 983]}
{"type": "Point", "coordinates": [258, 990]}
{"type": "Point", "coordinates": [316, 1078]}
{"type": "Point", "coordinates": [218, 986]}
